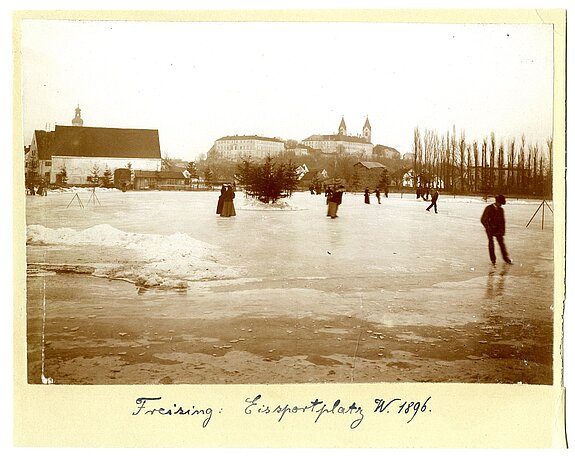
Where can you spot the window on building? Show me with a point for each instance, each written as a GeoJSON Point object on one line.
{"type": "Point", "coordinates": [47, 163]}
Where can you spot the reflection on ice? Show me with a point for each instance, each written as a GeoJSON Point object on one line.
{"type": "Point", "coordinates": [496, 282]}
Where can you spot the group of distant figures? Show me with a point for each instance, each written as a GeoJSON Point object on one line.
{"type": "Point", "coordinates": [492, 219]}
{"type": "Point", "coordinates": [377, 192]}
{"type": "Point", "coordinates": [226, 206]}
{"type": "Point", "coordinates": [40, 190]}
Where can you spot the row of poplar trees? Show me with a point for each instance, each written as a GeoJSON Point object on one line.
{"type": "Point", "coordinates": [488, 167]}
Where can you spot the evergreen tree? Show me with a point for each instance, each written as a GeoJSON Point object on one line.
{"type": "Point", "coordinates": [193, 170]}
{"type": "Point", "coordinates": [94, 178]}
{"type": "Point", "coordinates": [208, 176]}
{"type": "Point", "coordinates": [107, 178]}
{"type": "Point", "coordinates": [384, 180]}
{"type": "Point", "coordinates": [268, 181]}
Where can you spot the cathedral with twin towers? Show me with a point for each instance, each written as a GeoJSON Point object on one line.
{"type": "Point", "coordinates": [342, 142]}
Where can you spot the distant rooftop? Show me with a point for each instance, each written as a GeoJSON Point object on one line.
{"type": "Point", "coordinates": [370, 165]}
{"type": "Point", "coordinates": [246, 137]}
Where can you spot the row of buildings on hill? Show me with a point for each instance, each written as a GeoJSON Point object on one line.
{"type": "Point", "coordinates": [76, 153]}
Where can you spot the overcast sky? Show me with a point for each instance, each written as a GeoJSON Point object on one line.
{"type": "Point", "coordinates": [196, 82]}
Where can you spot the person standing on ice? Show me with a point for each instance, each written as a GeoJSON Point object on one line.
{"type": "Point", "coordinates": [328, 194]}
{"type": "Point", "coordinates": [366, 196]}
{"type": "Point", "coordinates": [434, 196]}
{"type": "Point", "coordinates": [334, 201]}
{"type": "Point", "coordinates": [493, 219]}
{"type": "Point", "coordinates": [378, 195]}
{"type": "Point", "coordinates": [221, 200]}
{"type": "Point", "coordinates": [228, 209]}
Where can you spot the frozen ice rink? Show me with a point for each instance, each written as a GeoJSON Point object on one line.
{"type": "Point", "coordinates": [154, 287]}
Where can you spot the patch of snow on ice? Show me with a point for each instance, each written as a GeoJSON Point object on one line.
{"type": "Point", "coordinates": [253, 204]}
{"type": "Point", "coordinates": [165, 261]}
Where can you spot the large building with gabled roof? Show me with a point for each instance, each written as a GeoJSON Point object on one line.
{"type": "Point", "coordinates": [342, 142]}
{"type": "Point", "coordinates": [80, 150]}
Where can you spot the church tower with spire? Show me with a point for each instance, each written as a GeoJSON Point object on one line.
{"type": "Point", "coordinates": [342, 130]}
{"type": "Point", "coordinates": [367, 130]}
{"type": "Point", "coordinates": [77, 120]}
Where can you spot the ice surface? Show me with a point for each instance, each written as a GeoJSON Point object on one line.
{"type": "Point", "coordinates": [372, 257]}
{"type": "Point", "coordinates": [385, 292]}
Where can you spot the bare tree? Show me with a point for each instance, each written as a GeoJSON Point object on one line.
{"type": "Point", "coordinates": [475, 166]}
{"type": "Point", "coordinates": [468, 166]}
{"type": "Point", "coordinates": [500, 171]}
{"type": "Point", "coordinates": [484, 174]}
{"type": "Point", "coordinates": [453, 159]}
{"type": "Point", "coordinates": [521, 166]}
{"type": "Point", "coordinates": [529, 175]}
{"type": "Point", "coordinates": [510, 165]}
{"type": "Point", "coordinates": [416, 152]}
{"type": "Point", "coordinates": [535, 182]}
{"type": "Point", "coordinates": [462, 149]}
{"type": "Point", "coordinates": [492, 162]}
{"type": "Point", "coordinates": [550, 172]}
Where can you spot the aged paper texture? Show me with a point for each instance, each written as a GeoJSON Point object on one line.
{"type": "Point", "coordinates": [143, 319]}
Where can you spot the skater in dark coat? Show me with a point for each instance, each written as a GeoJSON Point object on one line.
{"type": "Point", "coordinates": [228, 209]}
{"type": "Point", "coordinates": [221, 200]}
{"type": "Point", "coordinates": [366, 196]}
{"type": "Point", "coordinates": [493, 219]}
{"type": "Point", "coordinates": [378, 195]}
{"type": "Point", "coordinates": [434, 196]}
{"type": "Point", "coordinates": [334, 201]}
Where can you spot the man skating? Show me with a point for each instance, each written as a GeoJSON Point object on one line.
{"type": "Point", "coordinates": [434, 196]}
{"type": "Point", "coordinates": [493, 219]}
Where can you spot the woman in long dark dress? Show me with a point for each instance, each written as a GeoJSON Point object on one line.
{"type": "Point", "coordinates": [228, 209]}
{"type": "Point", "coordinates": [366, 196]}
{"type": "Point", "coordinates": [221, 200]}
{"type": "Point", "coordinates": [334, 202]}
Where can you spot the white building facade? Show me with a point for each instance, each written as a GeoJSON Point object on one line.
{"type": "Point", "coordinates": [256, 147]}
{"type": "Point", "coordinates": [80, 169]}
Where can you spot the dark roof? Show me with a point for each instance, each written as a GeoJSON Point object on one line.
{"type": "Point", "coordinates": [159, 174]}
{"type": "Point", "coordinates": [261, 138]}
{"type": "Point", "coordinates": [43, 141]}
{"type": "Point", "coordinates": [357, 139]}
{"type": "Point", "coordinates": [105, 142]}
{"type": "Point", "coordinates": [369, 165]}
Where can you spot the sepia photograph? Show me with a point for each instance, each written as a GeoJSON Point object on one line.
{"type": "Point", "coordinates": [228, 201]}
